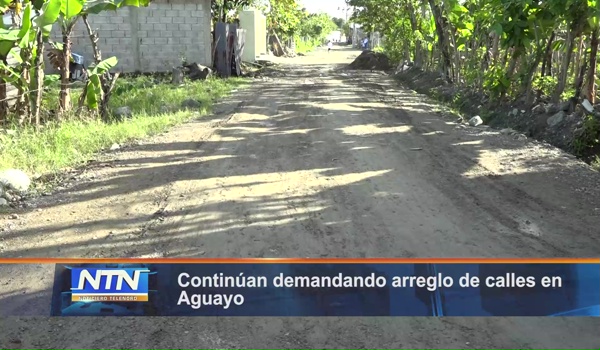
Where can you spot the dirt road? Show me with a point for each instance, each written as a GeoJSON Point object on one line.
{"type": "Point", "coordinates": [318, 162]}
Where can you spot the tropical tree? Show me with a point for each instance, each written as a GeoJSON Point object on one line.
{"type": "Point", "coordinates": [221, 9]}
{"type": "Point", "coordinates": [316, 26]}
{"type": "Point", "coordinates": [339, 22]}
{"type": "Point", "coordinates": [70, 12]}
{"type": "Point", "coordinates": [510, 50]}
{"type": "Point", "coordinates": [284, 17]}
{"type": "Point", "coordinates": [24, 41]}
{"type": "Point", "coordinates": [506, 48]}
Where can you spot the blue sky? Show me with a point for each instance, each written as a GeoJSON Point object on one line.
{"type": "Point", "coordinates": [328, 6]}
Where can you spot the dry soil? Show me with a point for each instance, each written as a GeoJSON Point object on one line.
{"type": "Point", "coordinates": [313, 162]}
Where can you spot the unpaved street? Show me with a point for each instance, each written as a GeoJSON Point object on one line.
{"type": "Point", "coordinates": [314, 162]}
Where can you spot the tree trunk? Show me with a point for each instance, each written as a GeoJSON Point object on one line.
{"type": "Point", "coordinates": [65, 93]}
{"type": "Point", "coordinates": [424, 46]}
{"type": "Point", "coordinates": [414, 26]}
{"type": "Point", "coordinates": [93, 39]}
{"type": "Point", "coordinates": [578, 85]}
{"type": "Point", "coordinates": [505, 58]}
{"type": "Point", "coordinates": [547, 64]}
{"type": "Point", "coordinates": [512, 67]}
{"type": "Point", "coordinates": [442, 40]}
{"type": "Point", "coordinates": [578, 62]}
{"type": "Point", "coordinates": [495, 46]}
{"type": "Point", "coordinates": [513, 63]}
{"type": "Point", "coordinates": [591, 74]}
{"type": "Point", "coordinates": [562, 79]}
{"type": "Point", "coordinates": [406, 51]}
{"type": "Point", "coordinates": [106, 80]}
{"type": "Point", "coordinates": [3, 104]}
{"type": "Point", "coordinates": [432, 56]}
{"type": "Point", "coordinates": [556, 58]}
{"type": "Point", "coordinates": [529, 76]}
{"type": "Point", "coordinates": [456, 66]}
{"type": "Point", "coordinates": [485, 63]}
{"type": "Point", "coordinates": [106, 98]}
{"type": "Point", "coordinates": [23, 106]}
{"type": "Point", "coordinates": [39, 74]}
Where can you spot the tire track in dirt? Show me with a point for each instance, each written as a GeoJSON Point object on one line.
{"type": "Point", "coordinates": [322, 169]}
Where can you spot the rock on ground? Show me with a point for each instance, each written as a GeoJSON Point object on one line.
{"type": "Point", "coordinates": [552, 108]}
{"type": "Point", "coordinates": [475, 121]}
{"type": "Point", "coordinates": [14, 179]}
{"type": "Point", "coordinates": [556, 119]}
{"type": "Point", "coordinates": [3, 202]}
{"type": "Point", "coordinates": [565, 106]}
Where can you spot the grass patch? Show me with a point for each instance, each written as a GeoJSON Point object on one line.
{"type": "Point", "coordinates": [304, 46]}
{"type": "Point", "coordinates": [155, 107]}
{"type": "Point", "coordinates": [587, 139]}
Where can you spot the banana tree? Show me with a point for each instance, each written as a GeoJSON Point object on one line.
{"type": "Point", "coordinates": [95, 94]}
{"type": "Point", "coordinates": [69, 14]}
{"type": "Point", "coordinates": [8, 75]}
{"type": "Point", "coordinates": [23, 45]}
{"type": "Point", "coordinates": [47, 14]}
{"type": "Point", "coordinates": [71, 11]}
{"type": "Point", "coordinates": [107, 81]}
{"type": "Point", "coordinates": [9, 37]}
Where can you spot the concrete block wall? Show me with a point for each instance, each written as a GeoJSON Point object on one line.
{"type": "Point", "coordinates": [151, 39]}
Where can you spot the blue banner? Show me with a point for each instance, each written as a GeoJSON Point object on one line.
{"type": "Point", "coordinates": [327, 290]}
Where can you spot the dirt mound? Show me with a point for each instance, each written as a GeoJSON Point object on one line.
{"type": "Point", "coordinates": [371, 60]}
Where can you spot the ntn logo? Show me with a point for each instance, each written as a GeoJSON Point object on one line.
{"type": "Point", "coordinates": [131, 278]}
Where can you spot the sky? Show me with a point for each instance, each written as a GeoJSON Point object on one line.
{"type": "Point", "coordinates": [328, 6]}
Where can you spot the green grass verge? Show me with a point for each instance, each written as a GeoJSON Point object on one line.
{"type": "Point", "coordinates": [155, 107]}
{"type": "Point", "coordinates": [303, 46]}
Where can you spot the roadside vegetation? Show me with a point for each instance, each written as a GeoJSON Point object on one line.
{"type": "Point", "coordinates": [313, 31]}
{"type": "Point", "coordinates": [523, 54]}
{"type": "Point", "coordinates": [290, 22]}
{"type": "Point", "coordinates": [155, 107]}
{"type": "Point", "coordinates": [55, 122]}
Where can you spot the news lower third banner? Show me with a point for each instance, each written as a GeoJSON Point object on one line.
{"type": "Point", "coordinates": [317, 289]}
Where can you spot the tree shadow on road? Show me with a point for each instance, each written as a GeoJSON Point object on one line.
{"type": "Point", "coordinates": [377, 179]}
{"type": "Point", "coordinates": [333, 134]}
